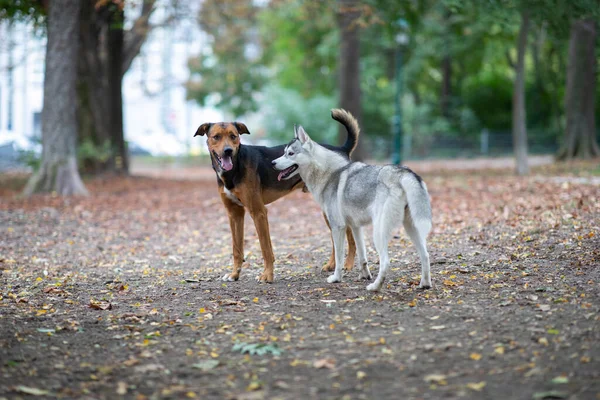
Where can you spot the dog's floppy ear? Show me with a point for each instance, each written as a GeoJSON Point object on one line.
{"type": "Point", "coordinates": [241, 128]}
{"type": "Point", "coordinates": [203, 129]}
{"type": "Point", "coordinates": [302, 135]}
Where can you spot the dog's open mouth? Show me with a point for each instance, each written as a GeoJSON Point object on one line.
{"type": "Point", "coordinates": [225, 162]}
{"type": "Point", "coordinates": [287, 172]}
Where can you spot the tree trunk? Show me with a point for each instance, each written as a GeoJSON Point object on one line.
{"type": "Point", "coordinates": [580, 98]}
{"type": "Point", "coordinates": [115, 94]}
{"type": "Point", "coordinates": [519, 116]}
{"type": "Point", "coordinates": [349, 68]}
{"type": "Point", "coordinates": [58, 172]}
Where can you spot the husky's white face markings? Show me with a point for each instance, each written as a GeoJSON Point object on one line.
{"type": "Point", "coordinates": [293, 156]}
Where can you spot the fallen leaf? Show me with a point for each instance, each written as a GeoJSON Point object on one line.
{"type": "Point", "coordinates": [560, 380]}
{"type": "Point", "coordinates": [438, 327]}
{"type": "Point", "coordinates": [31, 390]}
{"type": "Point", "coordinates": [324, 363]}
{"type": "Point", "coordinates": [440, 379]}
{"type": "Point", "coordinates": [360, 375]}
{"type": "Point", "coordinates": [478, 387]}
{"type": "Point", "coordinates": [475, 356]}
{"type": "Point", "coordinates": [551, 394]}
{"type": "Point", "coordinates": [206, 365]}
{"type": "Point", "coordinates": [100, 305]}
{"type": "Point", "coordinates": [121, 388]}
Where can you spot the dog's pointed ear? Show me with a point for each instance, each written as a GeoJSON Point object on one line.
{"type": "Point", "coordinates": [241, 128]}
{"type": "Point", "coordinates": [296, 131]}
{"type": "Point", "coordinates": [203, 129]}
{"type": "Point", "coordinates": [302, 135]}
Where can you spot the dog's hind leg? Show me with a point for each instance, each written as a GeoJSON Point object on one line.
{"type": "Point", "coordinates": [338, 245]}
{"type": "Point", "coordinates": [388, 217]}
{"type": "Point", "coordinates": [418, 233]}
{"type": "Point", "coordinates": [236, 223]}
{"type": "Point", "coordinates": [361, 250]}
{"type": "Point", "coordinates": [349, 263]}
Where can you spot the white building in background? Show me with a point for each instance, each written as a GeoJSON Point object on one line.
{"type": "Point", "coordinates": [21, 83]}
{"type": "Point", "coordinates": [157, 116]}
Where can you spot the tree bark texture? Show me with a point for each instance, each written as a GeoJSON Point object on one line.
{"type": "Point", "coordinates": [519, 115]}
{"type": "Point", "coordinates": [106, 54]}
{"type": "Point", "coordinates": [58, 171]}
{"type": "Point", "coordinates": [580, 98]}
{"type": "Point", "coordinates": [349, 68]}
{"type": "Point", "coordinates": [446, 95]}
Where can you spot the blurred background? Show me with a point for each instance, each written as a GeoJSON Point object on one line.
{"type": "Point", "coordinates": [427, 79]}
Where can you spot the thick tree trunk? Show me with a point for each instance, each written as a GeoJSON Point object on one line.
{"type": "Point", "coordinates": [58, 172]}
{"type": "Point", "coordinates": [519, 116]}
{"type": "Point", "coordinates": [580, 99]}
{"type": "Point", "coordinates": [349, 68]}
{"type": "Point", "coordinates": [115, 81]}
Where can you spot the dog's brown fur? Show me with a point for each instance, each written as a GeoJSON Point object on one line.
{"type": "Point", "coordinates": [244, 183]}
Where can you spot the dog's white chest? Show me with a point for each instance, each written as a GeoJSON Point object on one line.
{"type": "Point", "coordinates": [232, 197]}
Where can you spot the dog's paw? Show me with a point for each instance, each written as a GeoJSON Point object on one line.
{"type": "Point", "coordinates": [267, 278]}
{"type": "Point", "coordinates": [229, 278]}
{"type": "Point", "coordinates": [364, 273]}
{"type": "Point", "coordinates": [333, 278]}
{"type": "Point", "coordinates": [373, 287]}
{"type": "Point", "coordinates": [329, 267]}
{"type": "Point", "coordinates": [424, 285]}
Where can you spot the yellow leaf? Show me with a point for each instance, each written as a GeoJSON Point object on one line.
{"type": "Point", "coordinates": [214, 355]}
{"type": "Point", "coordinates": [476, 386]}
{"type": "Point", "coordinates": [413, 303]}
{"type": "Point", "coordinates": [254, 385]}
{"type": "Point", "coordinates": [475, 356]}
{"type": "Point", "coordinates": [585, 359]}
{"type": "Point", "coordinates": [499, 350]}
{"type": "Point", "coordinates": [191, 395]}
{"type": "Point", "coordinates": [382, 340]}
{"type": "Point", "coordinates": [202, 310]}
{"type": "Point", "coordinates": [332, 326]}
{"type": "Point", "coordinates": [543, 341]}
{"type": "Point", "coordinates": [255, 300]}
{"type": "Point", "coordinates": [448, 282]}
{"type": "Point", "coordinates": [360, 375]}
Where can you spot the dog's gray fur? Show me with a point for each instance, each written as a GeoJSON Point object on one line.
{"type": "Point", "coordinates": [356, 194]}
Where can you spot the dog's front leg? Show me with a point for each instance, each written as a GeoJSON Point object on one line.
{"type": "Point", "coordinates": [261, 222]}
{"type": "Point", "coordinates": [338, 244]}
{"type": "Point", "coordinates": [330, 265]}
{"type": "Point", "coordinates": [236, 223]}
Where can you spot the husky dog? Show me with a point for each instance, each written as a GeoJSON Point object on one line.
{"type": "Point", "coordinates": [356, 194]}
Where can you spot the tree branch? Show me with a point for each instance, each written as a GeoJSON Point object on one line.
{"type": "Point", "coordinates": [136, 36]}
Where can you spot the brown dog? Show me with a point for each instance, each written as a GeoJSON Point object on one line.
{"type": "Point", "coordinates": [247, 181]}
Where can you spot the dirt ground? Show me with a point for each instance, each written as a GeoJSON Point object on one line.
{"type": "Point", "coordinates": [118, 296]}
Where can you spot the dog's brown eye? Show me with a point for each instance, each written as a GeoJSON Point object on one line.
{"type": "Point", "coordinates": [216, 137]}
{"type": "Point", "coordinates": [233, 137]}
{"type": "Point", "coordinates": [291, 153]}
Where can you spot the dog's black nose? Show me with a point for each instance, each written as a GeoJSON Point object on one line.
{"type": "Point", "coordinates": [227, 151]}
{"type": "Point", "coordinates": [273, 162]}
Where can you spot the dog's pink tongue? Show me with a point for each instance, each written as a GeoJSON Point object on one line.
{"type": "Point", "coordinates": [280, 175]}
{"type": "Point", "coordinates": [226, 163]}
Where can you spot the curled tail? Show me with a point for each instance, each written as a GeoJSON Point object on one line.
{"type": "Point", "coordinates": [419, 204]}
{"type": "Point", "coordinates": [348, 120]}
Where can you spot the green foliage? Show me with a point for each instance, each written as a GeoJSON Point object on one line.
{"type": "Point", "coordinates": [30, 158]}
{"type": "Point", "coordinates": [489, 95]}
{"type": "Point", "coordinates": [228, 73]}
{"type": "Point", "coordinates": [89, 153]}
{"type": "Point", "coordinates": [24, 10]}
{"type": "Point", "coordinates": [259, 349]}
{"type": "Point", "coordinates": [284, 108]}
